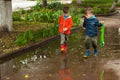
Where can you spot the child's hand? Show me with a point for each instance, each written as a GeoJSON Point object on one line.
{"type": "Point", "coordinates": [84, 28]}
{"type": "Point", "coordinates": [65, 29]}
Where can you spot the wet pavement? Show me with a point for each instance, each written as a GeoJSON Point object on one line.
{"type": "Point", "coordinates": [46, 64]}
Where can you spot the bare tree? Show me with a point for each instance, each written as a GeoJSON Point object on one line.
{"type": "Point", "coordinates": [113, 6]}
{"type": "Point", "coordinates": [44, 2]}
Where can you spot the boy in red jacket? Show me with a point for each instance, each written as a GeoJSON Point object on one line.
{"type": "Point", "coordinates": [65, 24]}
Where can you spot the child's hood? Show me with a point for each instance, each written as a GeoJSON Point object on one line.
{"type": "Point", "coordinates": [92, 17]}
{"type": "Point", "coordinates": [66, 17]}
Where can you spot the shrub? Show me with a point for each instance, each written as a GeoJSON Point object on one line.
{"type": "Point", "coordinates": [96, 3]}
{"type": "Point", "coordinates": [21, 11]}
{"type": "Point", "coordinates": [55, 6]}
{"type": "Point", "coordinates": [101, 10]}
{"type": "Point", "coordinates": [118, 4]}
{"type": "Point", "coordinates": [82, 10]}
{"type": "Point", "coordinates": [16, 16]}
{"type": "Point", "coordinates": [38, 7]}
{"type": "Point", "coordinates": [76, 16]}
{"type": "Point", "coordinates": [42, 16]}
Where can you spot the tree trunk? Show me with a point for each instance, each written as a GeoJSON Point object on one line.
{"type": "Point", "coordinates": [44, 2]}
{"type": "Point", "coordinates": [113, 6]}
{"type": "Point", "coordinates": [79, 1]}
{"type": "Point", "coordinates": [5, 15]}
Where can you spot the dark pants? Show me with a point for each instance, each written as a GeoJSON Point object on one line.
{"type": "Point", "coordinates": [88, 40]}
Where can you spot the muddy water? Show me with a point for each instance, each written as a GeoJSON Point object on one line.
{"type": "Point", "coordinates": [46, 64]}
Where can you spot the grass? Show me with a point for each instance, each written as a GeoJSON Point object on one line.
{"type": "Point", "coordinates": [34, 36]}
{"type": "Point", "coordinates": [118, 5]}
{"type": "Point", "coordinates": [99, 6]}
{"type": "Point", "coordinates": [21, 26]}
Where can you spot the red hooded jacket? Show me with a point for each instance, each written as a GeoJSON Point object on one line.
{"type": "Point", "coordinates": [65, 23]}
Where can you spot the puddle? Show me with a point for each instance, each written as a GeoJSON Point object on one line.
{"type": "Point", "coordinates": [113, 65]}
{"type": "Point", "coordinates": [45, 63]}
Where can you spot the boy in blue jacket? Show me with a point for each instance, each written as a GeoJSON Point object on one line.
{"type": "Point", "coordinates": [90, 25]}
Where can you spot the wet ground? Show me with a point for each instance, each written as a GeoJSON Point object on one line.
{"type": "Point", "coordinates": [45, 63]}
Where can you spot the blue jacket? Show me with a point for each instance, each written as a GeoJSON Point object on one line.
{"type": "Point", "coordinates": [91, 24]}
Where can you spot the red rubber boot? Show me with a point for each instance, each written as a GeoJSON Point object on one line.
{"type": "Point", "coordinates": [63, 48]}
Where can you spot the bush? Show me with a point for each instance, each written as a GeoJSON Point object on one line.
{"type": "Point", "coordinates": [118, 4]}
{"type": "Point", "coordinates": [41, 16]}
{"type": "Point", "coordinates": [97, 10]}
{"type": "Point", "coordinates": [38, 7]}
{"type": "Point", "coordinates": [82, 10]}
{"type": "Point", "coordinates": [100, 4]}
{"type": "Point", "coordinates": [76, 19]}
{"type": "Point", "coordinates": [55, 6]}
{"type": "Point", "coordinates": [74, 1]}
{"type": "Point", "coordinates": [101, 10]}
{"type": "Point", "coordinates": [16, 16]}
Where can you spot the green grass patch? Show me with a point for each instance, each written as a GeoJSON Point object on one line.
{"type": "Point", "coordinates": [99, 6]}
{"type": "Point", "coordinates": [34, 36]}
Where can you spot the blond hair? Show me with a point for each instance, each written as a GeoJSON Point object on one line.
{"type": "Point", "coordinates": [88, 11]}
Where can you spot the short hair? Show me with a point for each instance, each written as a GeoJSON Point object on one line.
{"type": "Point", "coordinates": [66, 9]}
{"type": "Point", "coordinates": [88, 10]}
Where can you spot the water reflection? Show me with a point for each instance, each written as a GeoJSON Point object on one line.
{"type": "Point", "coordinates": [64, 72]}
{"type": "Point", "coordinates": [6, 69]}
